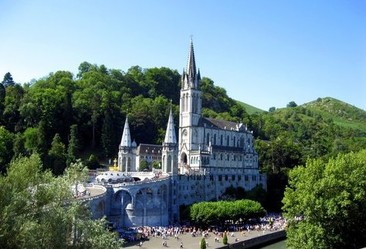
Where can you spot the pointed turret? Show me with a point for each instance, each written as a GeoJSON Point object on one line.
{"type": "Point", "coordinates": [170, 148]}
{"type": "Point", "coordinates": [126, 136]}
{"type": "Point", "coordinates": [170, 137]}
{"type": "Point", "coordinates": [127, 151]}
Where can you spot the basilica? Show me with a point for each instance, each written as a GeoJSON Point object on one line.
{"type": "Point", "coordinates": [198, 163]}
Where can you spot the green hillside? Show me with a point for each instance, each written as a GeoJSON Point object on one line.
{"type": "Point", "coordinates": [249, 108]}
{"type": "Point", "coordinates": [343, 114]}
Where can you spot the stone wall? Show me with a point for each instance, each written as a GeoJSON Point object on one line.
{"type": "Point", "coordinates": [259, 241]}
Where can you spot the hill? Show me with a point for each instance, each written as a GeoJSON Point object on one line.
{"type": "Point", "coordinates": [322, 128]}
{"type": "Point", "coordinates": [249, 108]}
{"type": "Point", "coordinates": [343, 114]}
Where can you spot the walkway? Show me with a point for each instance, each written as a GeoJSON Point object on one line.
{"type": "Point", "coordinates": [190, 242]}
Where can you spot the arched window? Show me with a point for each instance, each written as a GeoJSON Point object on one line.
{"type": "Point", "coordinates": [227, 140]}
{"type": "Point", "coordinates": [208, 138]}
{"type": "Point", "coordinates": [234, 144]}
{"type": "Point", "coordinates": [222, 139]}
{"type": "Point", "coordinates": [186, 104]}
{"type": "Point", "coordinates": [129, 164]}
{"type": "Point", "coordinates": [242, 142]}
{"type": "Point", "coordinates": [214, 139]}
{"type": "Point", "coordinates": [124, 164]}
{"type": "Point", "coordinates": [169, 164]}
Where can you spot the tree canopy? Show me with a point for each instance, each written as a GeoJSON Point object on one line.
{"type": "Point", "coordinates": [88, 113]}
{"type": "Point", "coordinates": [325, 203]}
{"type": "Point", "coordinates": [217, 213]}
{"type": "Point", "coordinates": [38, 210]}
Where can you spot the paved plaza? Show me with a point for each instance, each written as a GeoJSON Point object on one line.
{"type": "Point", "coordinates": [190, 242]}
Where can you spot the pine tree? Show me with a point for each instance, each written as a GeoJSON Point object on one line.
{"type": "Point", "coordinates": [8, 80]}
{"type": "Point", "coordinates": [73, 148]}
{"type": "Point", "coordinates": [57, 155]}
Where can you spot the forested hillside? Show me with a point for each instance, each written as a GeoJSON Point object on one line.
{"type": "Point", "coordinates": [65, 116]}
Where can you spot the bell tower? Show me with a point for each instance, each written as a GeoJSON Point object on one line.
{"type": "Point", "coordinates": [190, 93]}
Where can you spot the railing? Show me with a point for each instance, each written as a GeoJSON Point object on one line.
{"type": "Point", "coordinates": [148, 181]}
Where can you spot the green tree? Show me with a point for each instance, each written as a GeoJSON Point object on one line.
{"type": "Point", "coordinates": [73, 147]}
{"type": "Point", "coordinates": [325, 203]}
{"type": "Point", "coordinates": [85, 67]}
{"type": "Point", "coordinates": [203, 243]}
{"type": "Point", "coordinates": [8, 80]}
{"type": "Point", "coordinates": [291, 104]}
{"type": "Point", "coordinates": [2, 102]}
{"type": "Point", "coordinates": [93, 162]}
{"type": "Point", "coordinates": [31, 139]}
{"type": "Point", "coordinates": [18, 146]}
{"type": "Point", "coordinates": [57, 155]}
{"type": "Point", "coordinates": [224, 239]}
{"type": "Point", "coordinates": [143, 165]}
{"type": "Point", "coordinates": [13, 98]}
{"type": "Point", "coordinates": [6, 148]}
{"type": "Point", "coordinates": [214, 213]}
{"type": "Point", "coordinates": [33, 213]}
{"type": "Point", "coordinates": [108, 135]}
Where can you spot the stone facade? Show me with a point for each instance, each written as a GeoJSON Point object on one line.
{"type": "Point", "coordinates": [209, 156]}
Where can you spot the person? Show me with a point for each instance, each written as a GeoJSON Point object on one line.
{"type": "Point", "coordinates": [181, 244]}
{"type": "Point", "coordinates": [140, 244]}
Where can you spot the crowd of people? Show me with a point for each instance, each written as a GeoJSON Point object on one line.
{"type": "Point", "coordinates": [272, 222]}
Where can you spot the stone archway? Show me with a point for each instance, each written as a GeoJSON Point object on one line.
{"type": "Point", "coordinates": [184, 158]}
{"type": "Point", "coordinates": [120, 200]}
{"type": "Point", "coordinates": [143, 204]}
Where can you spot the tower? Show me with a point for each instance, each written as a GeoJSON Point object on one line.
{"type": "Point", "coordinates": [190, 110]}
{"type": "Point", "coordinates": [190, 93]}
{"type": "Point", "coordinates": [170, 148]}
{"type": "Point", "coordinates": [127, 151]}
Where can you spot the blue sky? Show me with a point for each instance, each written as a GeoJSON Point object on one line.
{"type": "Point", "coordinates": [264, 53]}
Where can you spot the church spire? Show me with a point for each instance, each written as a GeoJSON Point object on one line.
{"type": "Point", "coordinates": [191, 65]}
{"type": "Point", "coordinates": [126, 136]}
{"type": "Point", "coordinates": [170, 137]}
{"type": "Point", "coordinates": [190, 77]}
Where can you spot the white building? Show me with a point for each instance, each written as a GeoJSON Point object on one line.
{"type": "Point", "coordinates": [209, 156]}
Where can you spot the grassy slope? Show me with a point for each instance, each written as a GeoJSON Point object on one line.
{"type": "Point", "coordinates": [343, 114]}
{"type": "Point", "coordinates": [249, 108]}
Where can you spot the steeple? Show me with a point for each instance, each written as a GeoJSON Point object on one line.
{"type": "Point", "coordinates": [190, 77]}
{"type": "Point", "coordinates": [170, 137]}
{"type": "Point", "coordinates": [190, 94]}
{"type": "Point", "coordinates": [126, 136]}
{"type": "Point", "coordinates": [191, 65]}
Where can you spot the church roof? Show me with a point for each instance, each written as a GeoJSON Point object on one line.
{"type": "Point", "coordinates": [219, 124]}
{"type": "Point", "coordinates": [151, 149]}
{"type": "Point", "coordinates": [170, 137]}
{"type": "Point", "coordinates": [126, 136]}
